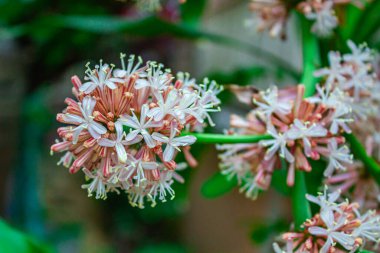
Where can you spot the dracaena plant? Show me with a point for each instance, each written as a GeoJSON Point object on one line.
{"type": "Point", "coordinates": [126, 125]}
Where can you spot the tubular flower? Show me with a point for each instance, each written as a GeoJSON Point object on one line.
{"type": "Point", "coordinates": [338, 227]}
{"type": "Point", "coordinates": [357, 185]}
{"type": "Point", "coordinates": [300, 130]}
{"type": "Point", "coordinates": [124, 124]}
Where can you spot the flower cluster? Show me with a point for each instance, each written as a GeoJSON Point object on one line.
{"type": "Point", "coordinates": [300, 128]}
{"type": "Point", "coordinates": [269, 15]}
{"type": "Point", "coordinates": [357, 185]}
{"type": "Point", "coordinates": [338, 227]}
{"type": "Point", "coordinates": [124, 128]}
{"type": "Point", "coordinates": [297, 129]}
{"type": "Point", "coordinates": [272, 15]}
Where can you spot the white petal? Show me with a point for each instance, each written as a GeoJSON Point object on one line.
{"type": "Point", "coordinates": [99, 128]}
{"type": "Point", "coordinates": [106, 142]}
{"type": "Point", "coordinates": [141, 83]}
{"type": "Point", "coordinates": [184, 140]}
{"type": "Point", "coordinates": [317, 231]}
{"type": "Point", "coordinates": [160, 137]}
{"type": "Point", "coordinates": [168, 153]}
{"type": "Point", "coordinates": [148, 139]}
{"type": "Point", "coordinates": [121, 153]}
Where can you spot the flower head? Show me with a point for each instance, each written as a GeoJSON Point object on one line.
{"type": "Point", "coordinates": [124, 128]}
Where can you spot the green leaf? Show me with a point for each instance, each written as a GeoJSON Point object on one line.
{"type": "Point", "coordinates": [368, 23]}
{"type": "Point", "coordinates": [241, 76]}
{"type": "Point", "coordinates": [147, 27]}
{"type": "Point", "coordinates": [352, 16]}
{"type": "Point", "coordinates": [12, 241]}
{"type": "Point", "coordinates": [360, 153]}
{"type": "Point", "coordinates": [217, 185]}
{"type": "Point", "coordinates": [192, 11]}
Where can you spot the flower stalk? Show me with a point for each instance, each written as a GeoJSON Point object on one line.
{"type": "Point", "coordinates": [300, 205]}
{"type": "Point", "coordinates": [222, 138]}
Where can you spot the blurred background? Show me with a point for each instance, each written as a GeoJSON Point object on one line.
{"type": "Point", "coordinates": [43, 43]}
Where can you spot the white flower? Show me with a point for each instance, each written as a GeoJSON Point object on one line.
{"type": "Point", "coordinates": [187, 82]}
{"type": "Point", "coordinates": [137, 195]}
{"type": "Point", "coordinates": [135, 169]}
{"type": "Point", "coordinates": [251, 188]}
{"type": "Point", "coordinates": [162, 187]}
{"type": "Point", "coordinates": [235, 166]}
{"type": "Point", "coordinates": [140, 126]}
{"type": "Point", "coordinates": [119, 143]}
{"type": "Point", "coordinates": [277, 144]}
{"type": "Point", "coordinates": [186, 106]}
{"type": "Point", "coordinates": [300, 130]}
{"type": "Point", "coordinates": [99, 77]}
{"type": "Point", "coordinates": [360, 81]}
{"type": "Point", "coordinates": [272, 103]}
{"type": "Point", "coordinates": [97, 185]}
{"type": "Point", "coordinates": [360, 55]}
{"type": "Point", "coordinates": [336, 72]}
{"type": "Point", "coordinates": [131, 67]}
{"type": "Point", "coordinates": [87, 122]}
{"type": "Point", "coordinates": [154, 77]}
{"type": "Point", "coordinates": [340, 118]}
{"type": "Point", "coordinates": [326, 201]}
{"type": "Point", "coordinates": [172, 142]}
{"type": "Point", "coordinates": [164, 106]}
{"type": "Point", "coordinates": [325, 20]}
{"type": "Point", "coordinates": [347, 241]}
{"type": "Point", "coordinates": [369, 228]}
{"type": "Point", "coordinates": [277, 249]}
{"type": "Point", "coordinates": [338, 156]}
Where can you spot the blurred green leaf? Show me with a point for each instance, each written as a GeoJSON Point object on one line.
{"type": "Point", "coordinates": [352, 16]}
{"type": "Point", "coordinates": [217, 185]}
{"type": "Point", "coordinates": [162, 248]}
{"type": "Point", "coordinates": [368, 22]}
{"type": "Point", "coordinates": [12, 240]}
{"type": "Point", "coordinates": [279, 179]}
{"type": "Point", "coordinates": [192, 11]}
{"type": "Point", "coordinates": [145, 27]}
{"type": "Point", "coordinates": [241, 76]}
{"type": "Point", "coordinates": [262, 231]}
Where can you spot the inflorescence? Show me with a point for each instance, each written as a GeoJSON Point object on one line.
{"type": "Point", "coordinates": [125, 128]}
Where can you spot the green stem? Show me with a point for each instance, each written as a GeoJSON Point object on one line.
{"type": "Point", "coordinates": [300, 205]}
{"type": "Point", "coordinates": [221, 138]}
{"type": "Point", "coordinates": [360, 153]}
{"type": "Point", "coordinates": [311, 58]}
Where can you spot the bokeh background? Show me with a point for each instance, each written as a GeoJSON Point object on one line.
{"type": "Point", "coordinates": [44, 42]}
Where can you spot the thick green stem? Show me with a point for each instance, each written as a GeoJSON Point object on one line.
{"type": "Point", "coordinates": [221, 138]}
{"type": "Point", "coordinates": [300, 205]}
{"type": "Point", "coordinates": [360, 153]}
{"type": "Point", "coordinates": [311, 58]}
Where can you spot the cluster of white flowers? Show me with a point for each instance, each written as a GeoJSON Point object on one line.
{"type": "Point", "coordinates": [337, 226]}
{"type": "Point", "coordinates": [125, 130]}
